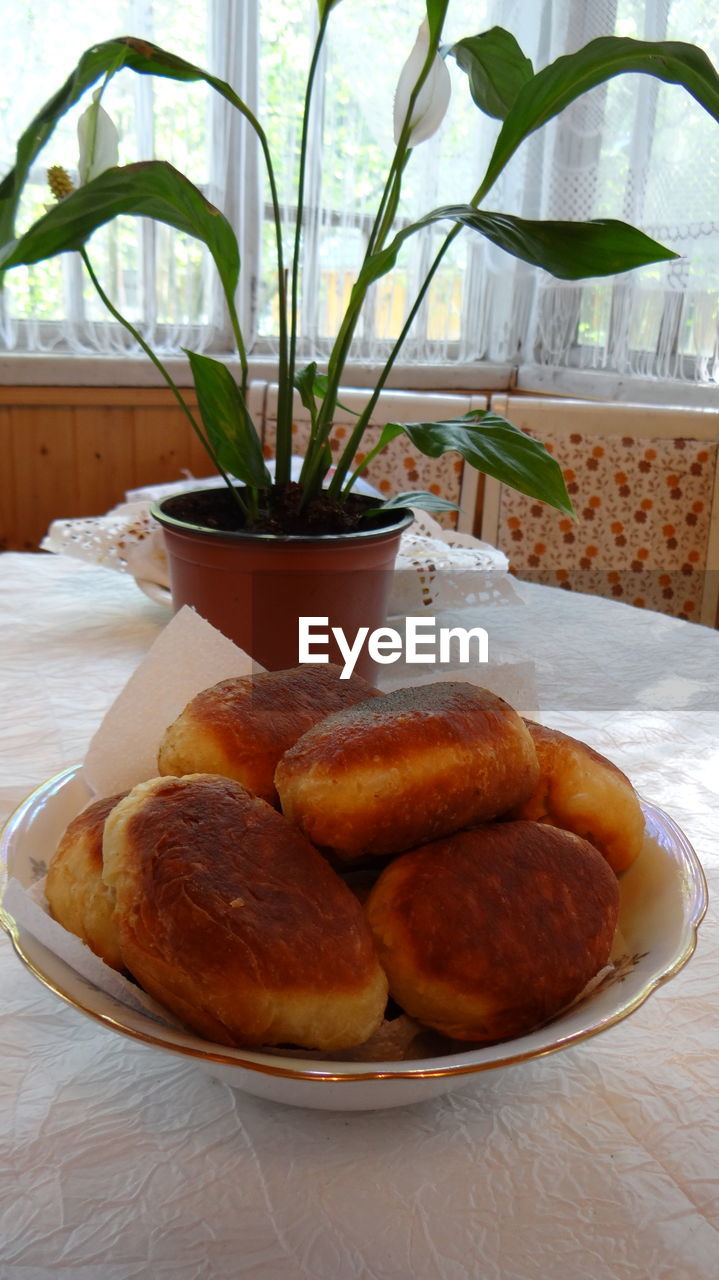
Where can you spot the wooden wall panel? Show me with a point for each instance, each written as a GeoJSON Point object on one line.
{"type": "Point", "coordinates": [8, 512]}
{"type": "Point", "coordinates": [75, 451]}
{"type": "Point", "coordinates": [200, 464]}
{"type": "Point", "coordinates": [104, 456]}
{"type": "Point", "coordinates": [44, 470]}
{"type": "Point", "coordinates": [162, 445]}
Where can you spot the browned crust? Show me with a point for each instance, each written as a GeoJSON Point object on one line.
{"type": "Point", "coordinates": [418, 763]}
{"type": "Point", "coordinates": [76, 895]}
{"type": "Point", "coordinates": [552, 743]}
{"type": "Point", "coordinates": [88, 826]}
{"type": "Point", "coordinates": [493, 931]}
{"type": "Point", "coordinates": [582, 791]}
{"type": "Point", "coordinates": [229, 917]}
{"type": "Point", "coordinates": [242, 726]}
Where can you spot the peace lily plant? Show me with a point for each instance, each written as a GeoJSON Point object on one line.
{"type": "Point", "coordinates": [504, 85]}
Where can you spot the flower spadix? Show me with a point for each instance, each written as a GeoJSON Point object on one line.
{"type": "Point", "coordinates": [433, 98]}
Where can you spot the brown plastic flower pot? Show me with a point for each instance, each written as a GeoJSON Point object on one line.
{"type": "Point", "coordinates": [254, 587]}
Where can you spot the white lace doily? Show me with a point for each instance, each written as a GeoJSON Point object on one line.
{"type": "Point", "coordinates": [435, 567]}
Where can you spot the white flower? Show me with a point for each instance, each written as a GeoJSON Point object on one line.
{"type": "Point", "coordinates": [433, 98]}
{"type": "Point", "coordinates": [98, 141]}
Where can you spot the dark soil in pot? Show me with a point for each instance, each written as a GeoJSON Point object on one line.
{"type": "Point", "coordinates": [283, 516]}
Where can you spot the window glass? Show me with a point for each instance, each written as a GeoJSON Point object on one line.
{"type": "Point", "coordinates": [153, 117]}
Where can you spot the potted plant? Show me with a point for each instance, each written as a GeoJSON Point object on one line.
{"type": "Point", "coordinates": [277, 516]}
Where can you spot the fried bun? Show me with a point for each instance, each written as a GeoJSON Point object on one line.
{"type": "Point", "coordinates": [581, 791]}
{"type": "Point", "coordinates": [491, 932]}
{"type": "Point", "coordinates": [229, 918]}
{"type": "Point", "coordinates": [241, 727]}
{"type": "Point", "coordinates": [413, 765]}
{"type": "Point", "coordinates": [77, 896]}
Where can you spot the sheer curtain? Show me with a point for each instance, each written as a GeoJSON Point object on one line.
{"type": "Point", "coordinates": [158, 279]}
{"type": "Point", "coordinates": [634, 149]}
{"type": "Point", "coordinates": [646, 152]}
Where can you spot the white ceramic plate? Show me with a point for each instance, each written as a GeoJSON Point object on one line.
{"type": "Point", "coordinates": [663, 899]}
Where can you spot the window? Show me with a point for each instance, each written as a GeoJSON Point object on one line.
{"type": "Point", "coordinates": [632, 148]}
{"type": "Point", "coordinates": [646, 152]}
{"type": "Point", "coordinates": [51, 307]}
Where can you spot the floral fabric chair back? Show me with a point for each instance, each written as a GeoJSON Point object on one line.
{"type": "Point", "coordinates": [643, 481]}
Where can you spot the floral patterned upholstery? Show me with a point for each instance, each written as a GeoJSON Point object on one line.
{"type": "Point", "coordinates": [644, 518]}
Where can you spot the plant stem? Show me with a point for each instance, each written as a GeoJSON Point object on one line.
{"type": "Point", "coordinates": [240, 344]}
{"type": "Point", "coordinates": [340, 350]}
{"type": "Point", "coordinates": [392, 203]}
{"type": "Point", "coordinates": [345, 460]}
{"type": "Point", "coordinates": [301, 195]}
{"type": "Point", "coordinates": [390, 195]}
{"type": "Point", "coordinates": [284, 394]}
{"type": "Point", "coordinates": [362, 466]}
{"type": "Point", "coordinates": [348, 453]}
{"type": "Point", "coordinates": [165, 375]}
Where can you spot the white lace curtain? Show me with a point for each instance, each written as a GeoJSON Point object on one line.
{"type": "Point", "coordinates": [646, 152]}
{"type": "Point", "coordinates": [633, 149]}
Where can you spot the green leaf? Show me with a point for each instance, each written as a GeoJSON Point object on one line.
{"type": "Point", "coordinates": [557, 85]}
{"type": "Point", "coordinates": [322, 382]}
{"type": "Point", "coordinates": [377, 265]}
{"type": "Point", "coordinates": [101, 60]}
{"type": "Point", "coordinates": [420, 498]}
{"type": "Point", "coordinates": [570, 250]}
{"type": "Point", "coordinates": [150, 189]}
{"type": "Point", "coordinates": [305, 381]}
{"type": "Point", "coordinates": [229, 427]}
{"type": "Point", "coordinates": [496, 448]}
{"type": "Point", "coordinates": [312, 387]}
{"type": "Point", "coordinates": [496, 68]}
{"type": "Point", "coordinates": [389, 433]}
{"type": "Point", "coordinates": [149, 59]}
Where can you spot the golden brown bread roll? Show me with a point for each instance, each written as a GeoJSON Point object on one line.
{"type": "Point", "coordinates": [77, 896]}
{"type": "Point", "coordinates": [491, 932]}
{"type": "Point", "coordinates": [581, 791]}
{"type": "Point", "coordinates": [232, 920]}
{"type": "Point", "coordinates": [241, 727]}
{"type": "Point", "coordinates": [416, 764]}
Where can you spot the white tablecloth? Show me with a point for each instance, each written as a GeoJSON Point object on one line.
{"type": "Point", "coordinates": [601, 1161]}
